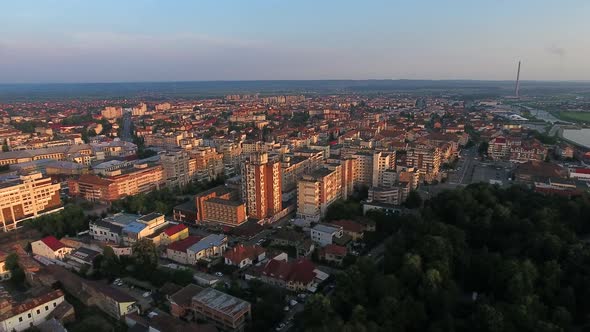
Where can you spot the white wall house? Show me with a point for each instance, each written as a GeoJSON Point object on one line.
{"type": "Point", "coordinates": [324, 234]}
{"type": "Point", "coordinates": [32, 312]}
{"type": "Point", "coordinates": [50, 247]}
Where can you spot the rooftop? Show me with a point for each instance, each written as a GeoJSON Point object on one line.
{"type": "Point", "coordinates": [324, 228]}
{"type": "Point", "coordinates": [221, 302]}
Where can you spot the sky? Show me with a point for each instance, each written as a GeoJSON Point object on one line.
{"type": "Point", "coordinates": [43, 41]}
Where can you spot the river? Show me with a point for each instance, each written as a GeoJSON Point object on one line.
{"type": "Point", "coordinates": [579, 136]}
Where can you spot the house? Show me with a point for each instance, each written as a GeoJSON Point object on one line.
{"type": "Point", "coordinates": [177, 251]}
{"type": "Point", "coordinates": [295, 276]}
{"type": "Point", "coordinates": [226, 312]}
{"type": "Point", "coordinates": [351, 228]}
{"type": "Point", "coordinates": [173, 234]}
{"type": "Point", "coordinates": [32, 312]}
{"type": "Point", "coordinates": [324, 234]}
{"type": "Point", "coordinates": [333, 253]}
{"type": "Point", "coordinates": [210, 246]}
{"type": "Point", "coordinates": [82, 257]}
{"type": "Point", "coordinates": [242, 256]}
{"type": "Point", "coordinates": [50, 247]}
{"type": "Point", "coordinates": [4, 272]}
{"type": "Point", "coordinates": [180, 302]}
{"type": "Point", "coordinates": [108, 299]}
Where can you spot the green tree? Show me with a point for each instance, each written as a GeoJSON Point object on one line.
{"type": "Point", "coordinates": [414, 200]}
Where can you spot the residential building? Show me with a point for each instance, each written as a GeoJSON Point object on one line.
{"type": "Point", "coordinates": [31, 312]}
{"type": "Point", "coordinates": [333, 253]}
{"type": "Point", "coordinates": [50, 247]}
{"type": "Point", "coordinates": [317, 191]}
{"type": "Point", "coordinates": [112, 112]}
{"type": "Point", "coordinates": [173, 234]}
{"type": "Point", "coordinates": [426, 159]}
{"type": "Point", "coordinates": [143, 227]}
{"type": "Point", "coordinates": [261, 186]}
{"type": "Point", "coordinates": [141, 178]}
{"type": "Point", "coordinates": [227, 312]}
{"type": "Point", "coordinates": [26, 197]}
{"type": "Point", "coordinates": [220, 205]}
{"type": "Point", "coordinates": [298, 275]}
{"type": "Point", "coordinates": [109, 300]}
{"type": "Point", "coordinates": [176, 168]}
{"type": "Point", "coordinates": [352, 228]}
{"type": "Point", "coordinates": [194, 248]}
{"type": "Point", "coordinates": [242, 256]}
{"type": "Point", "coordinates": [324, 234]}
{"type": "Point", "coordinates": [371, 165]}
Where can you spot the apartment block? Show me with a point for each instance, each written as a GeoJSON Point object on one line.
{"type": "Point", "coordinates": [220, 205]}
{"type": "Point", "coordinates": [26, 197]}
{"type": "Point", "coordinates": [317, 191]}
{"type": "Point", "coordinates": [425, 159]}
{"type": "Point", "coordinates": [176, 166]}
{"type": "Point", "coordinates": [261, 186]}
{"type": "Point", "coordinates": [141, 178]}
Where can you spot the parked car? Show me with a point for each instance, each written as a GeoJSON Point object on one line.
{"type": "Point", "coordinates": [218, 274]}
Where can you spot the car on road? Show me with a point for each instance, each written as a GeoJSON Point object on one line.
{"type": "Point", "coordinates": [286, 308]}
{"type": "Point", "coordinates": [218, 274]}
{"type": "Point", "coordinates": [293, 303]}
{"type": "Point", "coordinates": [280, 327]}
{"type": "Point", "coordinates": [147, 294]}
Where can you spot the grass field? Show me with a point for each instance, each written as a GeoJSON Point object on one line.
{"type": "Point", "coordinates": [574, 116]}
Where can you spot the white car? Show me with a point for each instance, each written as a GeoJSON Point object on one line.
{"type": "Point", "coordinates": [218, 274]}
{"type": "Point", "coordinates": [146, 294]}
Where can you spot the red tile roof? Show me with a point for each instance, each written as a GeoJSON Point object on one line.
{"type": "Point", "coordinates": [175, 229]}
{"type": "Point", "coordinates": [301, 270]}
{"type": "Point", "coordinates": [53, 243]}
{"type": "Point", "coordinates": [32, 303]}
{"type": "Point", "coordinates": [334, 249]}
{"type": "Point", "coordinates": [240, 252]}
{"type": "Point", "coordinates": [183, 245]}
{"type": "Point", "coordinates": [349, 226]}
{"type": "Point", "coordinates": [582, 170]}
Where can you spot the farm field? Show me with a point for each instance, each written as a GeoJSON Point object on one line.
{"type": "Point", "coordinates": [574, 116]}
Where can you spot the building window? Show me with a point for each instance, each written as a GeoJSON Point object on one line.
{"type": "Point", "coordinates": [46, 307]}
{"type": "Point", "coordinates": [20, 319]}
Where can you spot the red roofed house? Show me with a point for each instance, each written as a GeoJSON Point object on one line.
{"type": "Point", "coordinates": [333, 253]}
{"type": "Point", "coordinates": [242, 256]}
{"type": "Point", "coordinates": [177, 251]}
{"type": "Point", "coordinates": [295, 276]}
{"type": "Point", "coordinates": [50, 247]}
{"type": "Point", "coordinates": [350, 228]}
{"type": "Point", "coordinates": [173, 234]}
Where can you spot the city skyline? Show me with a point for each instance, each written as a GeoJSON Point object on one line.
{"type": "Point", "coordinates": [63, 42]}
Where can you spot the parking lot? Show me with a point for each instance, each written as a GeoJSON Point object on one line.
{"type": "Point", "coordinates": [494, 173]}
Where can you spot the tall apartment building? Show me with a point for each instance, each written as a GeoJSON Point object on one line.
{"type": "Point", "coordinates": [112, 112]}
{"type": "Point", "coordinates": [426, 160]}
{"type": "Point", "coordinates": [141, 178]}
{"type": "Point", "coordinates": [348, 172]}
{"type": "Point", "coordinates": [27, 197]}
{"type": "Point", "coordinates": [261, 186]}
{"type": "Point", "coordinates": [163, 107]}
{"type": "Point", "coordinates": [176, 166]}
{"type": "Point", "coordinates": [220, 205]}
{"type": "Point", "coordinates": [371, 165]}
{"type": "Point", "coordinates": [139, 110]}
{"type": "Point", "coordinates": [317, 191]}
{"type": "Point", "coordinates": [208, 163]}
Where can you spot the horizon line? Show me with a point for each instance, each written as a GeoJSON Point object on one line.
{"type": "Point", "coordinates": [290, 80]}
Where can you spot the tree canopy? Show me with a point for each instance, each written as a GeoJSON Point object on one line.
{"type": "Point", "coordinates": [475, 259]}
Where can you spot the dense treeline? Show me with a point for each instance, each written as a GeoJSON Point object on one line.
{"type": "Point", "coordinates": [475, 259]}
{"type": "Point", "coordinates": [67, 222]}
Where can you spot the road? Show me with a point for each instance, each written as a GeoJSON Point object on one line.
{"type": "Point", "coordinates": [126, 134]}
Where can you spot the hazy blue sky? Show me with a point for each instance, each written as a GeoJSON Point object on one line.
{"type": "Point", "coordinates": [151, 40]}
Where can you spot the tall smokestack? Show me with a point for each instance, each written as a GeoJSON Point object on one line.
{"type": "Point", "coordinates": [517, 81]}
